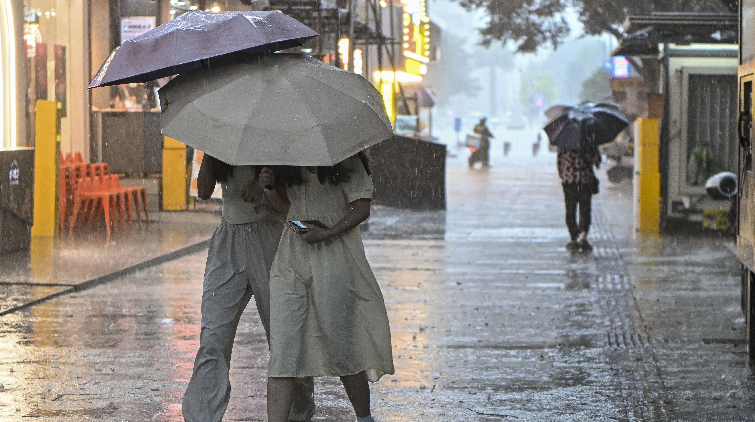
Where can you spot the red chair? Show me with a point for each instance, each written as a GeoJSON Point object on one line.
{"type": "Point", "coordinates": [70, 174]}
{"type": "Point", "coordinates": [112, 185]}
{"type": "Point", "coordinates": [99, 169]}
{"type": "Point", "coordinates": [136, 195]}
{"type": "Point", "coordinates": [91, 191]}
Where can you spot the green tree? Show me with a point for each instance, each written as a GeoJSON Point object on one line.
{"type": "Point", "coordinates": [530, 24]}
{"type": "Point", "coordinates": [450, 75]}
{"type": "Point", "coordinates": [597, 87]}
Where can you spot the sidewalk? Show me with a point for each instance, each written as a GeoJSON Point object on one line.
{"type": "Point", "coordinates": [491, 318]}
{"type": "Point", "coordinates": [84, 259]}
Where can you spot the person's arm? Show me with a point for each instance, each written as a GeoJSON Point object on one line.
{"type": "Point", "coordinates": [359, 210]}
{"type": "Point", "coordinates": [206, 178]}
{"type": "Point", "coordinates": [277, 199]}
{"type": "Point", "coordinates": [597, 158]}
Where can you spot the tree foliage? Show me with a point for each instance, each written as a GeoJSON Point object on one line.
{"type": "Point", "coordinates": [530, 24]}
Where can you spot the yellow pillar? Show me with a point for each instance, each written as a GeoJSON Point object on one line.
{"type": "Point", "coordinates": [46, 161]}
{"type": "Point", "coordinates": [174, 175]}
{"type": "Point", "coordinates": [647, 177]}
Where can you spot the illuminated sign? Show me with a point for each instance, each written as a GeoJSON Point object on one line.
{"type": "Point", "coordinates": [538, 100]}
{"type": "Point", "coordinates": [415, 37]}
{"type": "Point", "coordinates": [619, 67]}
{"type": "Point", "coordinates": [343, 52]}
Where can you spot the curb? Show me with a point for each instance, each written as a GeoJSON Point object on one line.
{"type": "Point", "coordinates": [187, 250]}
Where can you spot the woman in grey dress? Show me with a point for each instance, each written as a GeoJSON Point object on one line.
{"type": "Point", "coordinates": [328, 316]}
{"type": "Point", "coordinates": [238, 267]}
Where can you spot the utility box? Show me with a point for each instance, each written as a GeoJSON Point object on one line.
{"type": "Point", "coordinates": [16, 198]}
{"type": "Point", "coordinates": [174, 182]}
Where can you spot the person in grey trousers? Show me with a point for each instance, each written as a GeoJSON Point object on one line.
{"type": "Point", "coordinates": [238, 268]}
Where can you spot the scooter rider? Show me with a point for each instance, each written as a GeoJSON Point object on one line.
{"type": "Point", "coordinates": [482, 154]}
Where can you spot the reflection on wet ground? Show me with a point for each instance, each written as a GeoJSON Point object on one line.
{"type": "Point", "coordinates": [491, 320]}
{"type": "Point", "coordinates": [80, 260]}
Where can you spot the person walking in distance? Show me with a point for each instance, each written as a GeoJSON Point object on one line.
{"type": "Point", "coordinates": [238, 267]}
{"type": "Point", "coordinates": [575, 168]}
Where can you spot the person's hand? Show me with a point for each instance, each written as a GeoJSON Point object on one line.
{"type": "Point", "coordinates": [252, 192]}
{"type": "Point", "coordinates": [314, 234]}
{"type": "Point", "coordinates": [267, 177]}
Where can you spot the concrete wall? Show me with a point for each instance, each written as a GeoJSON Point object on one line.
{"type": "Point", "coordinates": [409, 173]}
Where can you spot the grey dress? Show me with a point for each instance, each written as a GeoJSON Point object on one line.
{"type": "Point", "coordinates": [328, 315]}
{"type": "Point", "coordinates": [238, 267]}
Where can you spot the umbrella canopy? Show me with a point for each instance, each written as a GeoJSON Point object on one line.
{"type": "Point", "coordinates": [557, 110]}
{"type": "Point", "coordinates": [183, 43]}
{"type": "Point", "coordinates": [285, 109]}
{"type": "Point", "coordinates": [586, 125]}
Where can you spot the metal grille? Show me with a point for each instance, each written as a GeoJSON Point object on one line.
{"type": "Point", "coordinates": [711, 126]}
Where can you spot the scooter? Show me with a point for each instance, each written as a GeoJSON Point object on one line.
{"type": "Point", "coordinates": [478, 155]}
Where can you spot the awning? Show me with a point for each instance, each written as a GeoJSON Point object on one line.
{"type": "Point", "coordinates": [646, 32]}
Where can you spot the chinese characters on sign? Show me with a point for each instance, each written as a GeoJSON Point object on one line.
{"type": "Point", "coordinates": [135, 25]}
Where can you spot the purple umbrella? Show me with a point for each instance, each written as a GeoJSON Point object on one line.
{"type": "Point", "coordinates": [183, 43]}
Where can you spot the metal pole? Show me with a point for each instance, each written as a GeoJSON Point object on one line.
{"type": "Point", "coordinates": [378, 12]}
{"type": "Point", "coordinates": [352, 10]}
{"type": "Point", "coordinates": [319, 29]}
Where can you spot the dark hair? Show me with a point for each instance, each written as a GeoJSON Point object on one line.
{"type": "Point", "coordinates": [221, 171]}
{"type": "Point", "coordinates": [292, 175]}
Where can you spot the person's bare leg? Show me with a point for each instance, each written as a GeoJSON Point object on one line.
{"type": "Point", "coordinates": [358, 391]}
{"type": "Point", "coordinates": [280, 393]}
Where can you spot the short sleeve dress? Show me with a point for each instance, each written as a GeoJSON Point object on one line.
{"type": "Point", "coordinates": [328, 317]}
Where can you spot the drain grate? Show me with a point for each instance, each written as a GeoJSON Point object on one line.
{"type": "Point", "coordinates": [612, 281]}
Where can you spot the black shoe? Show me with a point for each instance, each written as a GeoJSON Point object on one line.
{"type": "Point", "coordinates": [572, 246]}
{"type": "Point", "coordinates": [584, 246]}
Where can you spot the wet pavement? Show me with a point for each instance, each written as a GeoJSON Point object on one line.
{"type": "Point", "coordinates": [492, 319]}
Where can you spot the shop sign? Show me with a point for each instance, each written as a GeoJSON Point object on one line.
{"type": "Point", "coordinates": [13, 174]}
{"type": "Point", "coordinates": [32, 37]}
{"type": "Point", "coordinates": [135, 25]}
{"type": "Point", "coordinates": [30, 15]}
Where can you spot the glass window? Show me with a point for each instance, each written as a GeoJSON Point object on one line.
{"type": "Point", "coordinates": [711, 126]}
{"type": "Point", "coordinates": [46, 38]}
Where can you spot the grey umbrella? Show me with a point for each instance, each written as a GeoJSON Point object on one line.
{"type": "Point", "coordinates": [283, 108]}
{"type": "Point", "coordinates": [184, 43]}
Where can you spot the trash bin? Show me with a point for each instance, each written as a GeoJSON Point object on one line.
{"type": "Point", "coordinates": [16, 198]}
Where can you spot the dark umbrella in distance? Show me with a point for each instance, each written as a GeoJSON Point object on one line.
{"type": "Point", "coordinates": [183, 43]}
{"type": "Point", "coordinates": [586, 125]}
